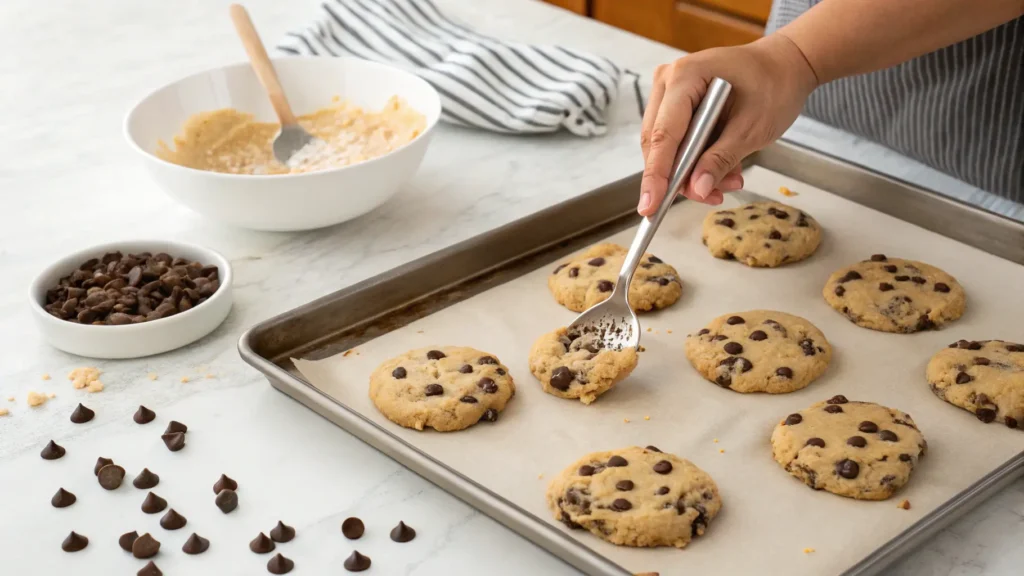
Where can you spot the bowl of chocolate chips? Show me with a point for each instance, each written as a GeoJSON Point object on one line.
{"type": "Point", "coordinates": [131, 299]}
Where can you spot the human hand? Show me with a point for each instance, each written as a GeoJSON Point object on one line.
{"type": "Point", "coordinates": [770, 80]}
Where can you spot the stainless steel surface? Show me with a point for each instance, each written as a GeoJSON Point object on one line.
{"type": "Point", "coordinates": [290, 140]}
{"type": "Point", "coordinates": [613, 321]}
{"type": "Point", "coordinates": [378, 305]}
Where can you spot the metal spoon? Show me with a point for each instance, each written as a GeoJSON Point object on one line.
{"type": "Point", "coordinates": [292, 137]}
{"type": "Point", "coordinates": [612, 322]}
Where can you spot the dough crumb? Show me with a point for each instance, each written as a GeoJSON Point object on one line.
{"type": "Point", "coordinates": [625, 420]}
{"type": "Point", "coordinates": [716, 440]}
{"type": "Point", "coordinates": [46, 376]}
{"type": "Point", "coordinates": [94, 386]}
{"type": "Point", "coordinates": [184, 379]}
{"type": "Point", "coordinates": [347, 352]}
{"type": "Point", "coordinates": [4, 411]}
{"type": "Point", "coordinates": [668, 331]}
{"type": "Point", "coordinates": [82, 377]}
{"type": "Point", "coordinates": [539, 476]}
{"type": "Point", "coordinates": [10, 398]}
{"type": "Point", "coordinates": [36, 399]}
{"type": "Point", "coordinates": [641, 349]}
{"type": "Point", "coordinates": [786, 191]}
{"type": "Point", "coordinates": [904, 505]}
{"type": "Point", "coordinates": [419, 331]}
{"type": "Point", "coordinates": [51, 395]}
{"type": "Point", "coordinates": [721, 450]}
{"type": "Point", "coordinates": [808, 550]}
{"type": "Point", "coordinates": [647, 417]}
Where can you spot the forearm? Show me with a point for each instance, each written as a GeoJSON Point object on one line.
{"type": "Point", "coordinates": [847, 37]}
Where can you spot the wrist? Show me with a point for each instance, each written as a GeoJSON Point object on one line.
{"type": "Point", "coordinates": [788, 59]}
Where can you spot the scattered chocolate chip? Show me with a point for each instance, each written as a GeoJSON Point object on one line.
{"type": "Point", "coordinates": [63, 499]}
{"type": "Point", "coordinates": [733, 320]}
{"type": "Point", "coordinates": [605, 286]}
{"type": "Point", "coordinates": [586, 470]}
{"type": "Point", "coordinates": [774, 235]}
{"type": "Point", "coordinates": [143, 415]}
{"type": "Point", "coordinates": [485, 360]}
{"type": "Point", "coordinates": [663, 490]}
{"type": "Point", "coordinates": [144, 546]}
{"type": "Point", "coordinates": [851, 275]}
{"type": "Point", "coordinates": [399, 373]}
{"type": "Point", "coordinates": [175, 426]}
{"type": "Point", "coordinates": [489, 415]}
{"type": "Point", "coordinates": [487, 385]}
{"type": "Point", "coordinates": [81, 415]}
{"type": "Point", "coordinates": [885, 286]}
{"type": "Point", "coordinates": [652, 449]}
{"type": "Point", "coordinates": [784, 372]}
{"type": "Point", "coordinates": [901, 278]}
{"type": "Point", "coordinates": [433, 390]}
{"type": "Point", "coordinates": [963, 378]}
{"type": "Point", "coordinates": [1015, 347]}
{"type": "Point", "coordinates": [719, 337]}
{"type": "Point", "coordinates": [621, 505]}
{"type": "Point", "coordinates": [150, 569]}
{"type": "Point", "coordinates": [1010, 421]}
{"type": "Point", "coordinates": [654, 260]}
{"type": "Point", "coordinates": [941, 287]}
{"type": "Point", "coordinates": [74, 542]}
{"type": "Point", "coordinates": [402, 532]}
{"type": "Point", "coordinates": [807, 345]}
{"type": "Point", "coordinates": [153, 504]}
{"type": "Point", "coordinates": [888, 436]}
{"type": "Point", "coordinates": [974, 345]}
{"type": "Point", "coordinates": [918, 280]}
{"type": "Point", "coordinates": [127, 539]}
{"type": "Point", "coordinates": [847, 469]}
{"type": "Point", "coordinates": [466, 369]}
{"type": "Point", "coordinates": [833, 409]}
{"type": "Point", "coordinates": [52, 451]}
{"type": "Point", "coordinates": [758, 335]}
{"type": "Point", "coordinates": [982, 361]}
{"type": "Point", "coordinates": [868, 427]}
{"type": "Point", "coordinates": [837, 399]}
{"type": "Point", "coordinates": [356, 562]}
{"type": "Point", "coordinates": [195, 544]}
{"type": "Point", "coordinates": [924, 323]}
{"type": "Point", "coordinates": [986, 415]}
{"type": "Point", "coordinates": [172, 520]}
{"type": "Point", "coordinates": [561, 378]}
{"type": "Point", "coordinates": [727, 222]}
{"type": "Point", "coordinates": [624, 485]}
{"type": "Point", "coordinates": [733, 348]}
{"type": "Point", "coordinates": [111, 476]}
{"type": "Point", "coordinates": [663, 467]}
{"type": "Point", "coordinates": [226, 500]}
{"type": "Point", "coordinates": [839, 291]}
{"type": "Point", "coordinates": [261, 544]}
{"type": "Point", "coordinates": [435, 355]}
{"type": "Point", "coordinates": [617, 461]}
{"type": "Point", "coordinates": [174, 441]}
{"type": "Point", "coordinates": [224, 483]}
{"type": "Point", "coordinates": [282, 532]}
{"type": "Point", "coordinates": [878, 258]}
{"type": "Point", "coordinates": [279, 564]}
{"type": "Point", "coordinates": [574, 272]}
{"type": "Point", "coordinates": [100, 463]}
{"type": "Point", "coordinates": [559, 268]}
{"type": "Point", "coordinates": [815, 442]}
{"type": "Point", "coordinates": [794, 419]}
{"type": "Point", "coordinates": [906, 457]}
{"type": "Point", "coordinates": [468, 400]}
{"type": "Point", "coordinates": [780, 214]}
{"type": "Point", "coordinates": [145, 480]}
{"type": "Point", "coordinates": [857, 441]}
{"type": "Point", "coordinates": [353, 528]}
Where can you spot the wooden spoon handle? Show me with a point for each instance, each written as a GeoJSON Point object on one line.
{"type": "Point", "coordinates": [261, 64]}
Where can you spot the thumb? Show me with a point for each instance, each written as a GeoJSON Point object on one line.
{"type": "Point", "coordinates": [716, 162]}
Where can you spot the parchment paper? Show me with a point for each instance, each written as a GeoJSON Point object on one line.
{"type": "Point", "coordinates": [768, 517]}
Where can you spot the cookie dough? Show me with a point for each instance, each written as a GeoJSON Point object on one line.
{"type": "Point", "coordinates": [447, 388]}
{"type": "Point", "coordinates": [578, 366]}
{"type": "Point", "coordinates": [855, 449]}
{"type": "Point", "coordinates": [985, 377]}
{"type": "Point", "coordinates": [759, 351]}
{"type": "Point", "coordinates": [590, 278]}
{"type": "Point", "coordinates": [895, 295]}
{"type": "Point", "coordinates": [762, 234]}
{"type": "Point", "coordinates": [635, 497]}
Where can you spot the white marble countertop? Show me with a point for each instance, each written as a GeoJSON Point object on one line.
{"type": "Point", "coordinates": [68, 180]}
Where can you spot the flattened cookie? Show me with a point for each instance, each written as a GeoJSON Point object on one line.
{"type": "Point", "coordinates": [575, 366]}
{"type": "Point", "coordinates": [762, 234]}
{"type": "Point", "coordinates": [855, 449]}
{"type": "Point", "coordinates": [895, 295]}
{"type": "Point", "coordinates": [985, 377]}
{"type": "Point", "coordinates": [447, 388]}
{"type": "Point", "coordinates": [635, 497]}
{"type": "Point", "coordinates": [759, 351]}
{"type": "Point", "coordinates": [590, 278]}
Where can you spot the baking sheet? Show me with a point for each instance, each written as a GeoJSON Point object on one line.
{"type": "Point", "coordinates": [768, 518]}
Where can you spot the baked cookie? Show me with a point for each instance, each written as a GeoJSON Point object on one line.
{"type": "Point", "coordinates": [590, 278]}
{"type": "Point", "coordinates": [447, 388]}
{"type": "Point", "coordinates": [895, 295]}
{"type": "Point", "coordinates": [635, 497]}
{"type": "Point", "coordinates": [985, 377]}
{"type": "Point", "coordinates": [855, 449]}
{"type": "Point", "coordinates": [571, 365]}
{"type": "Point", "coordinates": [759, 351]}
{"type": "Point", "coordinates": [762, 234]}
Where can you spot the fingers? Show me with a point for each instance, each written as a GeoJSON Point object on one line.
{"type": "Point", "coordinates": [651, 111]}
{"type": "Point", "coordinates": [719, 166]}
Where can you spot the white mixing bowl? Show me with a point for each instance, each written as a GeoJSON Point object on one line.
{"type": "Point", "coordinates": [290, 201]}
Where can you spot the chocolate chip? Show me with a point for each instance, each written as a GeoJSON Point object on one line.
{"type": "Point", "coordinates": [839, 291]}
{"type": "Point", "coordinates": [851, 275]}
{"type": "Point", "coordinates": [174, 441]}
{"type": "Point", "coordinates": [906, 457]}
{"type": "Point", "coordinates": [663, 490]}
{"type": "Point", "coordinates": [652, 449]}
{"type": "Point", "coordinates": [784, 372]}
{"type": "Point", "coordinates": [466, 369]}
{"type": "Point", "coordinates": [986, 415]}
{"type": "Point", "coordinates": [1010, 421]}
{"type": "Point", "coordinates": [982, 361]}
{"type": "Point", "coordinates": [663, 467]}
{"type": "Point", "coordinates": [733, 320]}
{"type": "Point", "coordinates": [433, 390]}
{"type": "Point", "coordinates": [487, 385]}
{"type": "Point", "coordinates": [974, 345]}
{"type": "Point", "coordinates": [261, 544]}
{"type": "Point", "coordinates": [963, 378]}
{"type": "Point", "coordinates": [586, 470]}
{"type": "Point", "coordinates": [703, 331]}
{"type": "Point", "coordinates": [857, 441]}
{"type": "Point", "coordinates": [780, 214]}
{"type": "Point", "coordinates": [282, 532]}
{"type": "Point", "coordinates": [52, 451]}
{"type": "Point", "coordinates": [111, 476]}
{"type": "Point", "coordinates": [353, 528]}
{"type": "Point", "coordinates": [924, 323]}
{"type": "Point", "coordinates": [754, 216]}
{"type": "Point", "coordinates": [733, 348]}
{"type": "Point", "coordinates": [719, 337]}
{"type": "Point", "coordinates": [153, 504]}
{"type": "Point", "coordinates": [654, 260]}
{"type": "Point", "coordinates": [175, 426]}
{"type": "Point", "coordinates": [485, 360]}
{"type": "Point", "coordinates": [1015, 347]}
{"type": "Point", "coordinates": [489, 415]}
{"type": "Point", "coordinates": [81, 415]}
{"type": "Point", "coordinates": [279, 564]}
{"type": "Point", "coordinates": [624, 485]}
{"type": "Point", "coordinates": [727, 222]}
{"type": "Point", "coordinates": [143, 415]}
{"type": "Point", "coordinates": [837, 399]}
{"type": "Point", "coordinates": [794, 419]}
{"type": "Point", "coordinates": [561, 378]}
{"type": "Point", "coordinates": [150, 569]}
{"type": "Point", "coordinates": [468, 400]}
{"type": "Point", "coordinates": [941, 287]}
{"type": "Point", "coordinates": [807, 345]}
{"type": "Point", "coordinates": [605, 286]}
{"type": "Point", "coordinates": [758, 335]}
{"type": "Point", "coordinates": [815, 442]}
{"type": "Point", "coordinates": [63, 499]}
{"type": "Point", "coordinates": [399, 373]}
{"type": "Point", "coordinates": [195, 544]}
{"type": "Point", "coordinates": [833, 409]}
{"type": "Point", "coordinates": [500, 371]}
{"type": "Point", "coordinates": [885, 286]}
{"type": "Point", "coordinates": [144, 546]}
{"type": "Point", "coordinates": [890, 269]}
{"type": "Point", "coordinates": [847, 469]}
{"type": "Point", "coordinates": [226, 500]}
{"type": "Point", "coordinates": [127, 539]}
{"type": "Point", "coordinates": [918, 280]}
{"type": "Point", "coordinates": [435, 355]}
{"type": "Point", "coordinates": [868, 427]}
{"type": "Point", "coordinates": [774, 235]}
{"type": "Point", "coordinates": [559, 268]}
{"type": "Point", "coordinates": [878, 258]}
{"type": "Point", "coordinates": [172, 520]}
{"type": "Point", "coordinates": [356, 562]}
{"type": "Point", "coordinates": [574, 272]}
{"type": "Point", "coordinates": [621, 505]}
{"type": "Point", "coordinates": [100, 463]}
{"type": "Point", "coordinates": [224, 483]}
{"type": "Point", "coordinates": [74, 542]}
{"type": "Point", "coordinates": [901, 278]}
{"type": "Point", "coordinates": [402, 533]}
{"type": "Point", "coordinates": [888, 436]}
{"type": "Point", "coordinates": [617, 461]}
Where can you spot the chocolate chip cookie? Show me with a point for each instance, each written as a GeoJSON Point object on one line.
{"type": "Point", "coordinates": [573, 365]}
{"type": "Point", "coordinates": [759, 351]}
{"type": "Point", "coordinates": [985, 377]}
{"type": "Point", "coordinates": [635, 497]}
{"type": "Point", "coordinates": [447, 388]}
{"type": "Point", "coordinates": [895, 295]}
{"type": "Point", "coordinates": [590, 278]}
{"type": "Point", "coordinates": [855, 449]}
{"type": "Point", "coordinates": [762, 234]}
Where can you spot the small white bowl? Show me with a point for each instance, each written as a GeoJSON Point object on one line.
{"type": "Point", "coordinates": [285, 202]}
{"type": "Point", "coordinates": [132, 340]}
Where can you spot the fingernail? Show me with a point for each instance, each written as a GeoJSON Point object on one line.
{"type": "Point", "coordinates": [730, 184]}
{"type": "Point", "coordinates": [704, 185]}
{"type": "Point", "coordinates": [645, 201]}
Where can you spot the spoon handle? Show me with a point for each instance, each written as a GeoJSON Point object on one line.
{"type": "Point", "coordinates": [690, 149]}
{"type": "Point", "coordinates": [261, 64]}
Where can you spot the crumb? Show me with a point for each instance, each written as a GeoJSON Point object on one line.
{"type": "Point", "coordinates": [786, 191]}
{"type": "Point", "coordinates": [10, 398]}
{"type": "Point", "coordinates": [647, 417]}
{"type": "Point", "coordinates": [668, 331]}
{"type": "Point", "coordinates": [419, 331]}
{"type": "Point", "coordinates": [626, 420]}
{"type": "Point", "coordinates": [539, 476]}
{"type": "Point", "coordinates": [346, 353]}
{"type": "Point", "coordinates": [51, 395]}
{"type": "Point", "coordinates": [641, 349]}
{"type": "Point", "coordinates": [46, 376]}
{"type": "Point", "coordinates": [36, 399]}
{"type": "Point", "coordinates": [209, 376]}
{"type": "Point", "coordinates": [904, 505]}
{"type": "Point", "coordinates": [94, 386]}
{"type": "Point", "coordinates": [82, 377]}
{"type": "Point", "coordinates": [184, 379]}
{"type": "Point", "coordinates": [716, 440]}
{"type": "Point", "coordinates": [721, 450]}
{"type": "Point", "coordinates": [648, 329]}
{"type": "Point", "coordinates": [4, 411]}
{"type": "Point", "coordinates": [808, 550]}
{"type": "Point", "coordinates": [152, 376]}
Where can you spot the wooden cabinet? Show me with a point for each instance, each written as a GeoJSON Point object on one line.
{"type": "Point", "coordinates": [577, 6]}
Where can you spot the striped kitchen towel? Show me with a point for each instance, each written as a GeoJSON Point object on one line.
{"type": "Point", "coordinates": [483, 82]}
